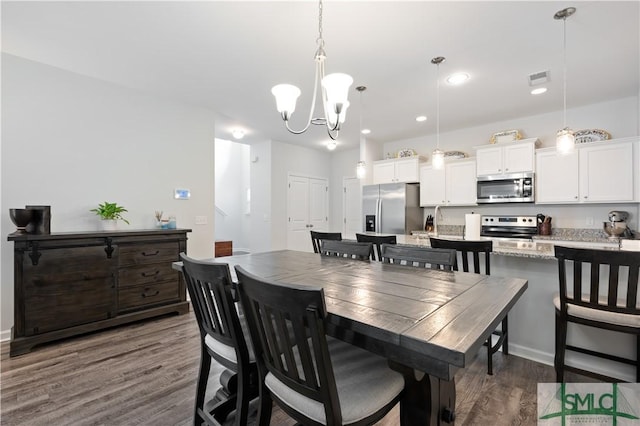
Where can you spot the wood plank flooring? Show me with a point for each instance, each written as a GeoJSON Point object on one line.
{"type": "Point", "coordinates": [145, 374]}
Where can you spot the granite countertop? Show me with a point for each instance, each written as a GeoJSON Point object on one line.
{"type": "Point", "coordinates": [538, 248]}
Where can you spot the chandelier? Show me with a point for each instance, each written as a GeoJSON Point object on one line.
{"type": "Point", "coordinates": [334, 92]}
{"type": "Point", "coordinates": [565, 139]}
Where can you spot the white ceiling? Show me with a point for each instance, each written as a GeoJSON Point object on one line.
{"type": "Point", "coordinates": [226, 56]}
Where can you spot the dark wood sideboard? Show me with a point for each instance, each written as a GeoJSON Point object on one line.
{"type": "Point", "coordinates": [67, 284]}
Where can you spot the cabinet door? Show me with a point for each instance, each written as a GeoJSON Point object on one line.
{"type": "Point", "coordinates": [384, 172]}
{"type": "Point", "coordinates": [432, 186]}
{"type": "Point", "coordinates": [519, 158]}
{"type": "Point", "coordinates": [606, 173]}
{"type": "Point", "coordinates": [68, 287]}
{"type": "Point", "coordinates": [461, 183]}
{"type": "Point", "coordinates": [556, 178]}
{"type": "Point", "coordinates": [407, 170]}
{"type": "Point", "coordinates": [489, 161]}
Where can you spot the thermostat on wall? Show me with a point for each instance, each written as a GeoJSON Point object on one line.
{"type": "Point", "coordinates": [182, 194]}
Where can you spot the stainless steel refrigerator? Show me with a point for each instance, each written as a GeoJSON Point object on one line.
{"type": "Point", "coordinates": [392, 208]}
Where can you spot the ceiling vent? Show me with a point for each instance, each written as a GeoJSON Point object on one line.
{"type": "Point", "coordinates": [538, 78]}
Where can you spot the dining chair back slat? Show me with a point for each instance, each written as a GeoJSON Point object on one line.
{"type": "Point", "coordinates": [318, 236]}
{"type": "Point", "coordinates": [349, 249]}
{"type": "Point", "coordinates": [377, 241]}
{"type": "Point", "coordinates": [424, 257]}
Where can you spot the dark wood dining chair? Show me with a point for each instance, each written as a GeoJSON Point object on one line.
{"type": "Point", "coordinates": [598, 288]}
{"type": "Point", "coordinates": [315, 379]}
{"type": "Point", "coordinates": [471, 252]}
{"type": "Point", "coordinates": [376, 240]}
{"type": "Point", "coordinates": [350, 249]}
{"type": "Point", "coordinates": [423, 257]}
{"type": "Point", "coordinates": [317, 237]}
{"type": "Point", "coordinates": [223, 339]}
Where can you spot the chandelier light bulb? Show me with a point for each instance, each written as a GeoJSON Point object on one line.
{"type": "Point", "coordinates": [331, 145]}
{"type": "Point", "coordinates": [286, 97]}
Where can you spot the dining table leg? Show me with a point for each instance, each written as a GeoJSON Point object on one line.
{"type": "Point", "coordinates": [427, 400]}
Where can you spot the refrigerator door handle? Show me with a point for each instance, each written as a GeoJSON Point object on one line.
{"type": "Point", "coordinates": [378, 214]}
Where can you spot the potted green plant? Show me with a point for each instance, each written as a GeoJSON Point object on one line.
{"type": "Point", "coordinates": [110, 213]}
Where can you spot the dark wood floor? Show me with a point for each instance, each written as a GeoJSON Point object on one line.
{"type": "Point", "coordinates": [145, 373]}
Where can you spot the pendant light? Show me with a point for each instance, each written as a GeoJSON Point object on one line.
{"type": "Point", "coordinates": [361, 166]}
{"type": "Point", "coordinates": [334, 93]}
{"type": "Point", "coordinates": [565, 139]}
{"type": "Point", "coordinates": [437, 157]}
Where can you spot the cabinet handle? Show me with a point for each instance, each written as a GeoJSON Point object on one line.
{"type": "Point", "coordinates": [576, 197]}
{"type": "Point", "coordinates": [144, 253]}
{"type": "Point", "coordinates": [506, 170]}
{"type": "Point", "coordinates": [144, 274]}
{"type": "Point", "coordinates": [311, 226]}
{"type": "Point", "coordinates": [585, 197]}
{"type": "Point", "coordinates": [157, 292]}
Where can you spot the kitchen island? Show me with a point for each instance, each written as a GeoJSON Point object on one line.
{"type": "Point", "coordinates": [532, 319]}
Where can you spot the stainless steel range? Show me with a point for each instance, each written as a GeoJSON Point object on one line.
{"type": "Point", "coordinates": [509, 226]}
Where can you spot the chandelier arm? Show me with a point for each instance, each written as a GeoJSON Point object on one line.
{"type": "Point", "coordinates": [312, 110]}
{"type": "Point", "coordinates": [330, 135]}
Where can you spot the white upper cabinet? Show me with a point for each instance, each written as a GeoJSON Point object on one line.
{"type": "Point", "coordinates": [454, 185]}
{"type": "Point", "coordinates": [556, 177]}
{"type": "Point", "coordinates": [397, 170]}
{"type": "Point", "coordinates": [597, 172]}
{"type": "Point", "coordinates": [606, 173]}
{"type": "Point", "coordinates": [506, 158]}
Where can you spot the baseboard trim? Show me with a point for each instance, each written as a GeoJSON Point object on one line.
{"type": "Point", "coordinates": [5, 335]}
{"type": "Point", "coordinates": [596, 365]}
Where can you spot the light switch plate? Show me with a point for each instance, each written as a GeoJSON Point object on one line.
{"type": "Point", "coordinates": [201, 220]}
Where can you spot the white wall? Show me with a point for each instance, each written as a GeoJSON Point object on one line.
{"type": "Point", "coordinates": [72, 142]}
{"type": "Point", "coordinates": [619, 117]}
{"type": "Point", "coordinates": [343, 165]}
{"type": "Point", "coordinates": [231, 183]}
{"type": "Point", "coordinates": [260, 217]}
{"type": "Point", "coordinates": [285, 159]}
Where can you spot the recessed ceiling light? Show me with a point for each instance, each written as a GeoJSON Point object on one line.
{"type": "Point", "coordinates": [331, 145]}
{"type": "Point", "coordinates": [538, 91]}
{"type": "Point", "coordinates": [366, 131]}
{"type": "Point", "coordinates": [458, 78]}
{"type": "Point", "coordinates": [421, 118]}
{"type": "Point", "coordinates": [238, 133]}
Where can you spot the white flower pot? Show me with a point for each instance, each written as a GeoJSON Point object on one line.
{"type": "Point", "coordinates": [109, 224]}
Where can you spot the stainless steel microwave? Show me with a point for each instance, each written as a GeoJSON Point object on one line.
{"type": "Point", "coordinates": [513, 188]}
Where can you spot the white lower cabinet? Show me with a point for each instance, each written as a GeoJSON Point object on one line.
{"type": "Point", "coordinates": [598, 172]}
{"type": "Point", "coordinates": [454, 185]}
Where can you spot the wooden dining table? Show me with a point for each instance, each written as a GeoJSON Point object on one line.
{"type": "Point", "coordinates": [427, 323]}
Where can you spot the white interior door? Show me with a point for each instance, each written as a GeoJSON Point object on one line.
{"type": "Point", "coordinates": [307, 209]}
{"type": "Point", "coordinates": [352, 207]}
{"type": "Point", "coordinates": [298, 213]}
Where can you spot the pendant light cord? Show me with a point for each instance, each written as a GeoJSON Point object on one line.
{"type": "Point", "coordinates": [438, 106]}
{"type": "Point", "coordinates": [564, 71]}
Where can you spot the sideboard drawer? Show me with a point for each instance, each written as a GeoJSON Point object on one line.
{"type": "Point", "coordinates": [147, 274]}
{"type": "Point", "coordinates": [142, 295]}
{"type": "Point", "coordinates": [149, 253]}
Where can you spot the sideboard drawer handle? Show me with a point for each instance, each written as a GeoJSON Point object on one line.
{"type": "Point", "coordinates": [144, 253]}
{"type": "Point", "coordinates": [157, 292]}
{"type": "Point", "coordinates": [150, 274]}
